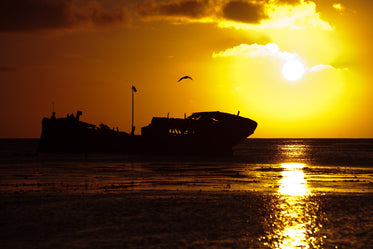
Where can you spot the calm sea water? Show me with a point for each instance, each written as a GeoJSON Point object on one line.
{"type": "Point", "coordinates": [274, 193]}
{"type": "Point", "coordinates": [335, 152]}
{"type": "Point", "coordinates": [337, 165]}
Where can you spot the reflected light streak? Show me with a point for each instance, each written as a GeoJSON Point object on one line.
{"type": "Point", "coordinates": [293, 151]}
{"type": "Point", "coordinates": [293, 187]}
{"type": "Point", "coordinates": [294, 237]}
{"type": "Point", "coordinates": [292, 223]}
{"type": "Point", "coordinates": [292, 181]}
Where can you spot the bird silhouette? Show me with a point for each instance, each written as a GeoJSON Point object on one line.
{"type": "Point", "coordinates": [184, 77]}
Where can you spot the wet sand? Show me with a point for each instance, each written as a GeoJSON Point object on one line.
{"type": "Point", "coordinates": [101, 175]}
{"type": "Point", "coordinates": [182, 219]}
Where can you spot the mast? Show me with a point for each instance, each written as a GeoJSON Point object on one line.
{"type": "Point", "coordinates": [133, 109]}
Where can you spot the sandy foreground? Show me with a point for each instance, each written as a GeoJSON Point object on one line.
{"type": "Point", "coordinates": [184, 219]}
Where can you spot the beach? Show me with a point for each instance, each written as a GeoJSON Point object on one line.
{"type": "Point", "coordinates": [121, 201]}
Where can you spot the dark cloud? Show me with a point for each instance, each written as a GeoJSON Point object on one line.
{"type": "Point", "coordinates": [289, 2]}
{"type": "Point", "coordinates": [244, 11]}
{"type": "Point", "coordinates": [48, 15]}
{"type": "Point", "coordinates": [104, 17]}
{"type": "Point", "coordinates": [188, 8]}
{"type": "Point", "coordinates": [43, 15]}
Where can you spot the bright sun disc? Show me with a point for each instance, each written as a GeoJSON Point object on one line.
{"type": "Point", "coordinates": [293, 70]}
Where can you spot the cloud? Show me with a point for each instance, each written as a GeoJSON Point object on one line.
{"type": "Point", "coordinates": [47, 15]}
{"type": "Point", "coordinates": [338, 7]}
{"type": "Point", "coordinates": [44, 15]}
{"type": "Point", "coordinates": [343, 9]}
{"type": "Point", "coordinates": [190, 8]}
{"type": "Point", "coordinates": [296, 16]}
{"type": "Point", "coordinates": [255, 50]}
{"type": "Point", "coordinates": [241, 14]}
{"type": "Point", "coordinates": [289, 2]}
{"type": "Point", "coordinates": [100, 16]}
{"type": "Point", "coordinates": [270, 49]}
{"type": "Point", "coordinates": [244, 11]}
{"type": "Point", "coordinates": [319, 68]}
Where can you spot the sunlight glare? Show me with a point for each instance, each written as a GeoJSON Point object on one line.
{"type": "Point", "coordinates": [293, 182]}
{"type": "Point", "coordinates": [294, 237]}
{"type": "Point", "coordinates": [293, 70]}
{"type": "Point", "coordinates": [293, 222]}
{"type": "Point", "coordinates": [293, 188]}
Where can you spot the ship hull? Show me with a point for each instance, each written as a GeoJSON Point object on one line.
{"type": "Point", "coordinates": [190, 137]}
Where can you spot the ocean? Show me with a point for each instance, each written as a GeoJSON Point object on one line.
{"type": "Point", "coordinates": [274, 193]}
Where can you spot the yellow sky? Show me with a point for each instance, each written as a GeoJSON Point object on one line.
{"type": "Point", "coordinates": [86, 54]}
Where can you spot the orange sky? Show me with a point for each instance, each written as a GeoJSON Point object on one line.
{"type": "Point", "coordinates": [86, 54]}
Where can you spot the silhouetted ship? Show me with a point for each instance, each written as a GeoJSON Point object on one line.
{"type": "Point", "coordinates": [202, 133]}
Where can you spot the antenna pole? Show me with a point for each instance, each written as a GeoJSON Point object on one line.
{"type": "Point", "coordinates": [133, 107]}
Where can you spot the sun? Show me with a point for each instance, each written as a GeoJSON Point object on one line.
{"type": "Point", "coordinates": [293, 70]}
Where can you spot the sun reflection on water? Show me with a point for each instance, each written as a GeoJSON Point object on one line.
{"type": "Point", "coordinates": [294, 151]}
{"type": "Point", "coordinates": [293, 222]}
{"type": "Point", "coordinates": [292, 182]}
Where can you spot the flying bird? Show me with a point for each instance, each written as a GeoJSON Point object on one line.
{"type": "Point", "coordinates": [184, 77]}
